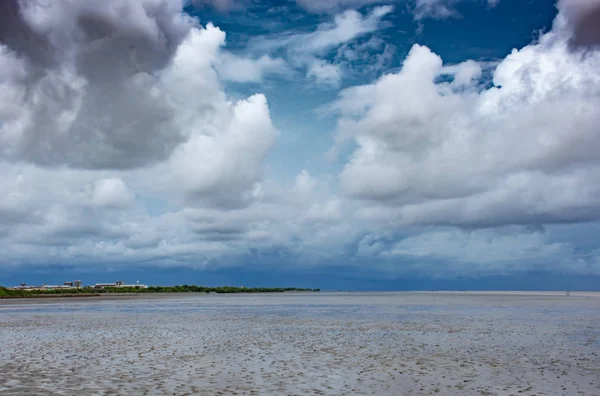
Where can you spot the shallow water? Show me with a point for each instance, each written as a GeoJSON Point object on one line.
{"type": "Point", "coordinates": [303, 343]}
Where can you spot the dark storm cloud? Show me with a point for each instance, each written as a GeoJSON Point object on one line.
{"type": "Point", "coordinates": [583, 17]}
{"type": "Point", "coordinates": [91, 97]}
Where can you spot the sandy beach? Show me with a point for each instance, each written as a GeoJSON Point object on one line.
{"type": "Point", "coordinates": [295, 344]}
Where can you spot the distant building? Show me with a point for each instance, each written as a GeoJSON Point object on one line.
{"type": "Point", "coordinates": [118, 284]}
{"type": "Point", "coordinates": [69, 285]}
{"type": "Point", "coordinates": [65, 286]}
{"type": "Point", "coordinates": [103, 285]}
{"type": "Point", "coordinates": [26, 287]}
{"type": "Point", "coordinates": [58, 287]}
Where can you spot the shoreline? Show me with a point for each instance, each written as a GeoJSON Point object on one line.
{"type": "Point", "coordinates": [56, 292]}
{"type": "Point", "coordinates": [65, 298]}
{"type": "Point", "coordinates": [64, 295]}
{"type": "Point", "coordinates": [549, 293]}
{"type": "Point", "coordinates": [477, 295]}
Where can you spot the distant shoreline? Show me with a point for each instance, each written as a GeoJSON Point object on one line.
{"type": "Point", "coordinates": [66, 295]}
{"type": "Point", "coordinates": [117, 295]}
{"type": "Point", "coordinates": [99, 297]}
{"type": "Point", "coordinates": [87, 292]}
{"type": "Point", "coordinates": [549, 293]}
{"type": "Point", "coordinates": [127, 294]}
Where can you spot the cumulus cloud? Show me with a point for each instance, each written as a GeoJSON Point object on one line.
{"type": "Point", "coordinates": [455, 153]}
{"type": "Point", "coordinates": [99, 86]}
{"type": "Point", "coordinates": [127, 84]}
{"type": "Point", "coordinates": [222, 168]}
{"type": "Point", "coordinates": [85, 78]}
{"type": "Point", "coordinates": [107, 101]}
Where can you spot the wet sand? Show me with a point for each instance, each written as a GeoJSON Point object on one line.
{"type": "Point", "coordinates": [296, 344]}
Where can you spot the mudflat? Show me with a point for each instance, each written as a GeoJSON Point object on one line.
{"type": "Point", "coordinates": [297, 344]}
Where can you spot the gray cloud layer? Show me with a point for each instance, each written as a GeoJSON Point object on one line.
{"type": "Point", "coordinates": [89, 89]}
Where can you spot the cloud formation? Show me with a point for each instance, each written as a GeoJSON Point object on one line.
{"type": "Point", "coordinates": [441, 9]}
{"type": "Point", "coordinates": [248, 70]}
{"type": "Point", "coordinates": [221, 5]}
{"type": "Point", "coordinates": [120, 144]}
{"type": "Point", "coordinates": [582, 18]}
{"type": "Point", "coordinates": [308, 50]}
{"type": "Point", "coordinates": [456, 153]}
{"type": "Point", "coordinates": [106, 107]}
{"type": "Point", "coordinates": [334, 6]}
{"type": "Point", "coordinates": [87, 80]}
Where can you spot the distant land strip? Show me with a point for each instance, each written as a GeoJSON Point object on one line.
{"type": "Point", "coordinates": [91, 292]}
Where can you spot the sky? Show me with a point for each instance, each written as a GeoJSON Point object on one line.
{"type": "Point", "coordinates": [340, 144]}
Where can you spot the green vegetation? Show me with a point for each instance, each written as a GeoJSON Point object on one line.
{"type": "Point", "coordinates": [4, 292]}
{"type": "Point", "coordinates": [202, 289]}
{"type": "Point", "coordinates": [10, 293]}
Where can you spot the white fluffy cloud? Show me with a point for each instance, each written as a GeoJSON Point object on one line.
{"type": "Point", "coordinates": [454, 153]}
{"type": "Point", "coordinates": [222, 168]}
{"type": "Point", "coordinates": [102, 85]}
{"type": "Point", "coordinates": [105, 103]}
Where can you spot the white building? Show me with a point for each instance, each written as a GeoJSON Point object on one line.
{"type": "Point", "coordinates": [65, 286]}
{"type": "Point", "coordinates": [118, 284]}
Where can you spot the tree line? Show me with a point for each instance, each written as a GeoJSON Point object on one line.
{"type": "Point", "coordinates": [4, 292]}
